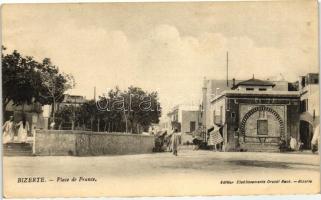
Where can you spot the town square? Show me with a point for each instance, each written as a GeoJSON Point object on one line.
{"type": "Point", "coordinates": [160, 99]}
{"type": "Point", "coordinates": [159, 172]}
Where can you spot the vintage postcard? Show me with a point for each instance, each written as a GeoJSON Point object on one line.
{"type": "Point", "coordinates": [160, 99]}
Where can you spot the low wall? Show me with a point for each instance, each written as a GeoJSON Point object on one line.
{"type": "Point", "coordinates": [84, 143]}
{"type": "Point", "coordinates": [56, 143]}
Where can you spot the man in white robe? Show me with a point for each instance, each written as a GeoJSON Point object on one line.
{"type": "Point", "coordinates": [8, 131]}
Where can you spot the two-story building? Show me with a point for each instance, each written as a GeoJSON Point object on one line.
{"type": "Point", "coordinates": [255, 116]}
{"type": "Point", "coordinates": [310, 106]}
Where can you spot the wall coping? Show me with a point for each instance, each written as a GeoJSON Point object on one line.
{"type": "Point", "coordinates": [90, 133]}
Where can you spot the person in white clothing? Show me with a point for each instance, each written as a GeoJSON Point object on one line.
{"type": "Point", "coordinates": [315, 139]}
{"type": "Point", "coordinates": [293, 143]}
{"type": "Point", "coordinates": [23, 130]}
{"type": "Point", "coordinates": [8, 130]}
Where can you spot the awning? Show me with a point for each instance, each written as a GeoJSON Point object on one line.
{"type": "Point", "coordinates": [307, 117]}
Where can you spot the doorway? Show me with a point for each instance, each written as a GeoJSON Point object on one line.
{"type": "Point", "coordinates": [306, 134]}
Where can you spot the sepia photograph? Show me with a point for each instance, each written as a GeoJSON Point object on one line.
{"type": "Point", "coordinates": [160, 99]}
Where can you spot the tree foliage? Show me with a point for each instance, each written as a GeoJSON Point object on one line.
{"type": "Point", "coordinates": [24, 80]}
{"type": "Point", "coordinates": [132, 110]}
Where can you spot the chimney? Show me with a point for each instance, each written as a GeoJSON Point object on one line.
{"type": "Point", "coordinates": [233, 82]}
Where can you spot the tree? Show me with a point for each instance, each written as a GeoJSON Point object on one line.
{"type": "Point", "coordinates": [131, 110]}
{"type": "Point", "coordinates": [65, 114]}
{"type": "Point", "coordinates": [54, 84]}
{"type": "Point", "coordinates": [20, 79]}
{"type": "Point", "coordinates": [110, 116]}
{"type": "Point", "coordinates": [25, 81]}
{"type": "Point", "coordinates": [140, 108]}
{"type": "Point", "coordinates": [88, 112]}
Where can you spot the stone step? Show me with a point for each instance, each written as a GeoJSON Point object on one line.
{"type": "Point", "coordinates": [17, 149]}
{"type": "Point", "coordinates": [16, 153]}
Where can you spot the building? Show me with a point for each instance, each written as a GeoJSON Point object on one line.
{"type": "Point", "coordinates": [210, 89]}
{"type": "Point", "coordinates": [309, 107]}
{"type": "Point", "coordinates": [255, 115]}
{"type": "Point", "coordinates": [33, 113]}
{"type": "Point", "coordinates": [187, 116]}
{"type": "Point", "coordinates": [74, 100]}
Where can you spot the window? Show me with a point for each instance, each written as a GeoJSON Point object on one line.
{"type": "Point", "coordinates": [262, 89]}
{"type": "Point", "coordinates": [233, 115]}
{"type": "Point", "coordinates": [304, 105]}
{"type": "Point", "coordinates": [262, 127]}
{"type": "Point", "coordinates": [192, 126]}
{"type": "Point", "coordinates": [249, 88]}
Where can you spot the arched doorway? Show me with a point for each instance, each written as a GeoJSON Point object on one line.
{"type": "Point", "coordinates": [262, 108]}
{"type": "Point", "coordinates": [306, 134]}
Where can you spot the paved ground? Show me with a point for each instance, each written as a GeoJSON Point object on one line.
{"type": "Point", "coordinates": [192, 172]}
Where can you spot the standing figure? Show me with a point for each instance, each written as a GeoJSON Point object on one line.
{"type": "Point", "coordinates": [293, 143]}
{"type": "Point", "coordinates": [175, 141]}
{"type": "Point", "coordinates": [8, 130]}
{"type": "Point", "coordinates": [315, 139]}
{"type": "Point", "coordinates": [52, 125]}
{"type": "Point", "coordinates": [23, 130]}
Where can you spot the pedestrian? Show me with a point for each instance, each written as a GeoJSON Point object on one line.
{"type": "Point", "coordinates": [293, 143]}
{"type": "Point", "coordinates": [8, 131]}
{"type": "Point", "coordinates": [315, 139]}
{"type": "Point", "coordinates": [23, 130]}
{"type": "Point", "coordinates": [282, 145]}
{"type": "Point", "coordinates": [52, 125]}
{"type": "Point", "coordinates": [175, 141]}
{"type": "Point", "coordinates": [300, 145]}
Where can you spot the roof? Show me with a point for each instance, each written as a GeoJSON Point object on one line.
{"type": "Point", "coordinates": [254, 82]}
{"type": "Point", "coordinates": [183, 108]}
{"type": "Point", "coordinates": [257, 94]}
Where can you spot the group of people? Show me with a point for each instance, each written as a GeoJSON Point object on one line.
{"type": "Point", "coordinates": [214, 142]}
{"type": "Point", "coordinates": [10, 127]}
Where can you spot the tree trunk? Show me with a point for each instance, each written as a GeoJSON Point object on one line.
{"type": "Point", "coordinates": [53, 109]}
{"type": "Point", "coordinates": [98, 123]}
{"type": "Point", "coordinates": [91, 124]}
{"type": "Point", "coordinates": [105, 127]}
{"type": "Point", "coordinates": [126, 121]}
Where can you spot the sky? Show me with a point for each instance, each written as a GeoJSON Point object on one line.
{"type": "Point", "coordinates": [166, 47]}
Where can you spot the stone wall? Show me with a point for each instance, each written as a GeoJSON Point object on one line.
{"type": "Point", "coordinates": [54, 143]}
{"type": "Point", "coordinates": [84, 143]}
{"type": "Point", "coordinates": [93, 144]}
